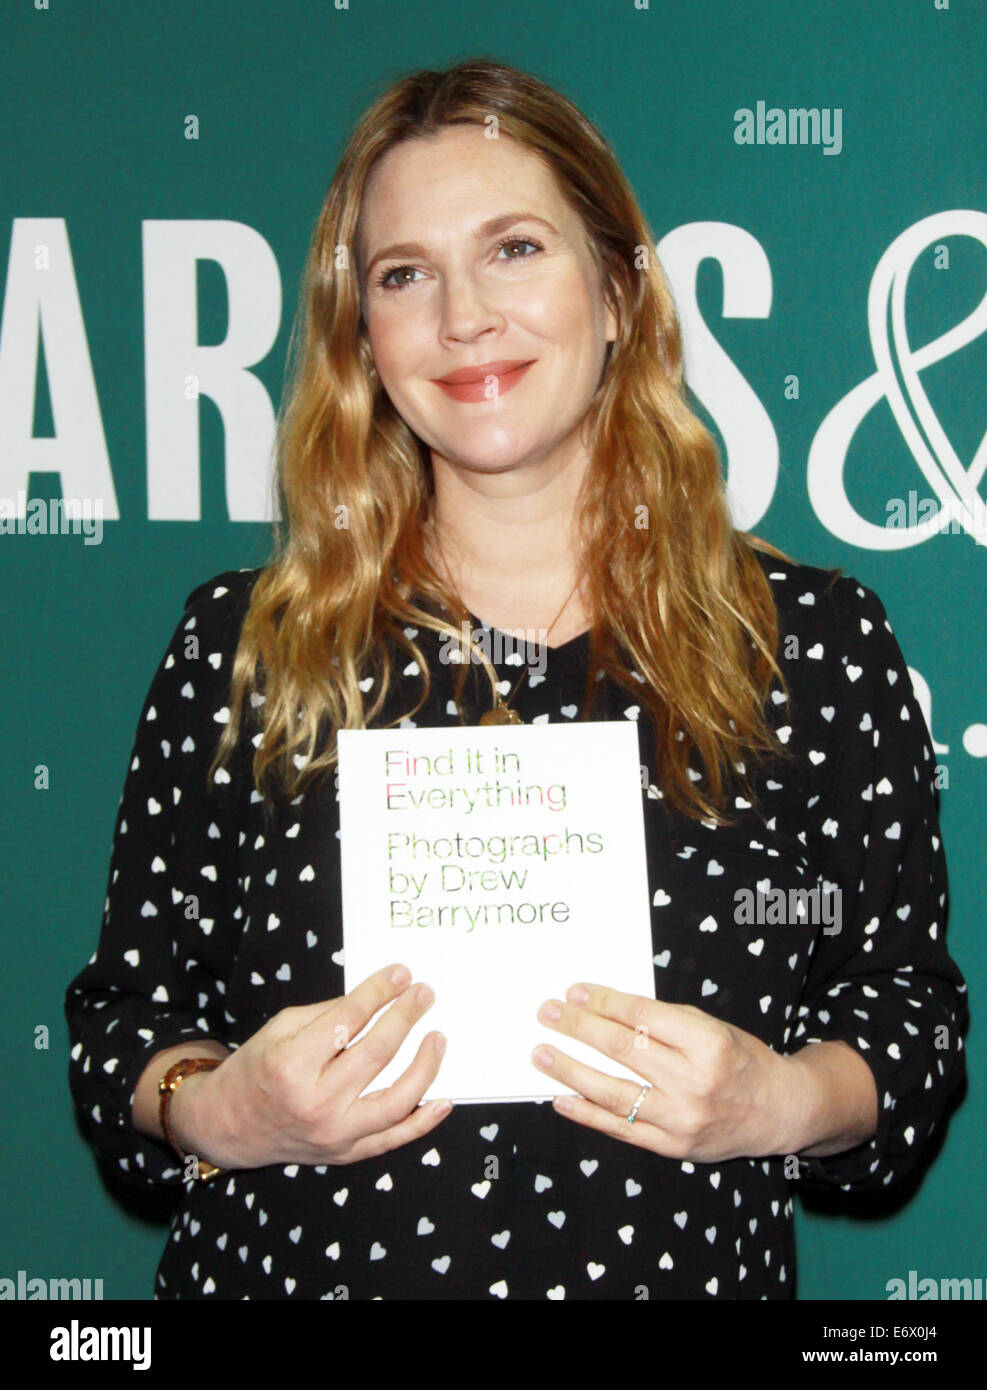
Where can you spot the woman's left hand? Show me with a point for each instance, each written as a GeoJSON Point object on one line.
{"type": "Point", "coordinates": [716, 1093]}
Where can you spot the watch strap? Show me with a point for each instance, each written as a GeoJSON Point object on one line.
{"type": "Point", "coordinates": [167, 1087]}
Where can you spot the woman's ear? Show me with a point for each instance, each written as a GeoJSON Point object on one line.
{"type": "Point", "coordinates": [616, 309]}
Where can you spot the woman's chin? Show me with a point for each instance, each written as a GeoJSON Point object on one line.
{"type": "Point", "coordinates": [485, 457]}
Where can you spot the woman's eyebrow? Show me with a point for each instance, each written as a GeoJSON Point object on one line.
{"type": "Point", "coordinates": [485, 229]}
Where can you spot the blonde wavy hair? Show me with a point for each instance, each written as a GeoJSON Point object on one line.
{"type": "Point", "coordinates": [682, 600]}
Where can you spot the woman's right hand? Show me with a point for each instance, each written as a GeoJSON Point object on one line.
{"type": "Point", "coordinates": [291, 1092]}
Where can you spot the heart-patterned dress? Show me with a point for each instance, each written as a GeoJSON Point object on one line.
{"type": "Point", "coordinates": [514, 1200]}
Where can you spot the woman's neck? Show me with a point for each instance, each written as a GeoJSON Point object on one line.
{"type": "Point", "coordinates": [507, 550]}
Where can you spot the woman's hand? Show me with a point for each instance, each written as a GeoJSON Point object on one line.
{"type": "Point", "coordinates": [716, 1091]}
{"type": "Point", "coordinates": [290, 1093]}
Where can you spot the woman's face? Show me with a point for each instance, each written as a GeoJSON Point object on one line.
{"type": "Point", "coordinates": [468, 255]}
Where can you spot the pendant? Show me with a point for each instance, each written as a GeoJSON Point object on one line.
{"type": "Point", "coordinates": [501, 714]}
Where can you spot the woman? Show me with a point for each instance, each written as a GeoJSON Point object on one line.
{"type": "Point", "coordinates": [488, 421]}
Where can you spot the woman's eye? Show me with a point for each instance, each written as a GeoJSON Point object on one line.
{"type": "Point", "coordinates": [386, 281]}
{"type": "Point", "coordinates": [519, 241]}
{"type": "Point", "coordinates": [383, 279]}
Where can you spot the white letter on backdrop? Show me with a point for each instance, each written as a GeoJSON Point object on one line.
{"type": "Point", "coordinates": [174, 359]}
{"type": "Point", "coordinates": [42, 301]}
{"type": "Point", "coordinates": [748, 434]}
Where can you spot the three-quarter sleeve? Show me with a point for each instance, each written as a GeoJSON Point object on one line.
{"type": "Point", "coordinates": [170, 918]}
{"type": "Point", "coordinates": [884, 983]}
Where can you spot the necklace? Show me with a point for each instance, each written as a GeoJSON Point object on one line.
{"type": "Point", "coordinates": [502, 712]}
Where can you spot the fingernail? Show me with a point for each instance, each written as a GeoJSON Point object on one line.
{"type": "Point", "coordinates": [400, 975]}
{"type": "Point", "coordinates": [425, 995]}
{"type": "Point", "coordinates": [550, 1012]}
{"type": "Point", "coordinates": [442, 1107]}
{"type": "Point", "coordinates": [440, 1043]}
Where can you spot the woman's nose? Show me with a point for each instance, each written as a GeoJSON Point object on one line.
{"type": "Point", "coordinates": [466, 307]}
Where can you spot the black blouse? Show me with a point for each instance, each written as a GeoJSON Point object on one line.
{"type": "Point", "coordinates": [571, 1213]}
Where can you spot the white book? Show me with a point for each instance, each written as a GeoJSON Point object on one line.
{"type": "Point", "coordinates": [501, 864]}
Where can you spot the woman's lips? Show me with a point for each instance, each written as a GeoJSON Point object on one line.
{"type": "Point", "coordinates": [480, 390]}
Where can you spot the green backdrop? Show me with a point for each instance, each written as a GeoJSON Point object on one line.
{"type": "Point", "coordinates": [169, 163]}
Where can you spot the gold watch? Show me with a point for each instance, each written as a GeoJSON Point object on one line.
{"type": "Point", "coordinates": [167, 1087]}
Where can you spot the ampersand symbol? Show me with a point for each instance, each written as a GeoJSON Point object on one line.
{"type": "Point", "coordinates": [896, 380]}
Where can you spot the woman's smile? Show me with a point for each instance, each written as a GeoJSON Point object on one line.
{"type": "Point", "coordinates": [483, 383]}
